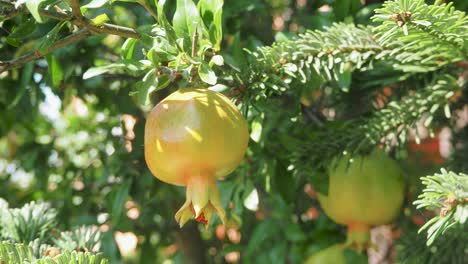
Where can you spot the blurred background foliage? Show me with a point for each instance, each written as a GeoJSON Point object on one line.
{"type": "Point", "coordinates": [78, 144]}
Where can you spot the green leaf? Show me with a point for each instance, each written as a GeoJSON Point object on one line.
{"type": "Point", "coordinates": [26, 76]}
{"type": "Point", "coordinates": [48, 40]}
{"type": "Point", "coordinates": [217, 59]}
{"type": "Point", "coordinates": [128, 49]}
{"type": "Point", "coordinates": [238, 58]}
{"type": "Point", "coordinates": [211, 12]}
{"type": "Point", "coordinates": [163, 81]}
{"type": "Point", "coordinates": [33, 7]}
{"type": "Point", "coordinates": [186, 18]}
{"type": "Point", "coordinates": [207, 74]}
{"type": "Point", "coordinates": [118, 200]}
{"type": "Point", "coordinates": [55, 70]}
{"type": "Point", "coordinates": [145, 87]}
{"type": "Point", "coordinates": [261, 233]}
{"type": "Point", "coordinates": [95, 4]}
{"type": "Point", "coordinates": [24, 29]}
{"type": "Point", "coordinates": [99, 20]}
{"type": "Point", "coordinates": [96, 71]}
{"type": "Point", "coordinates": [162, 20]}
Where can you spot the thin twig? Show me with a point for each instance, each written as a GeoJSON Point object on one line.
{"type": "Point", "coordinates": [87, 28]}
{"type": "Point", "coordinates": [148, 8]}
{"type": "Point", "coordinates": [195, 43]}
{"type": "Point", "coordinates": [104, 28]}
{"type": "Point", "coordinates": [75, 6]}
{"type": "Point", "coordinates": [18, 62]}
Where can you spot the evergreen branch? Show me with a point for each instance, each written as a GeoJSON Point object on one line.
{"type": "Point", "coordinates": [331, 54]}
{"type": "Point", "coordinates": [422, 37]}
{"type": "Point", "coordinates": [85, 238]}
{"type": "Point", "coordinates": [13, 253]}
{"type": "Point", "coordinates": [412, 248]}
{"type": "Point", "coordinates": [389, 125]}
{"type": "Point", "coordinates": [32, 221]}
{"type": "Point", "coordinates": [447, 192]}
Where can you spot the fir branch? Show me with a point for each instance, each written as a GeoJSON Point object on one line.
{"type": "Point", "coordinates": [85, 238]}
{"type": "Point", "coordinates": [332, 54]}
{"type": "Point", "coordinates": [447, 192]}
{"type": "Point", "coordinates": [388, 126]}
{"type": "Point", "coordinates": [412, 248]}
{"type": "Point", "coordinates": [422, 37]}
{"type": "Point", "coordinates": [13, 253]}
{"type": "Point", "coordinates": [32, 221]}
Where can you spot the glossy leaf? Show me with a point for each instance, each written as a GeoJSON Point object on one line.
{"type": "Point", "coordinates": [186, 19]}
{"type": "Point", "coordinates": [55, 70]}
{"type": "Point", "coordinates": [95, 4]}
{"type": "Point", "coordinates": [33, 7]}
{"type": "Point", "coordinates": [211, 12]}
{"type": "Point", "coordinates": [207, 74]}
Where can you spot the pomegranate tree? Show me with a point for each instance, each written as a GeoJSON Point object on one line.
{"type": "Point", "coordinates": [363, 191]}
{"type": "Point", "coordinates": [192, 138]}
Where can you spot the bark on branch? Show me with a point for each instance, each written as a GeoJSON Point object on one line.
{"type": "Point", "coordinates": [34, 55]}
{"type": "Point", "coordinates": [86, 26]}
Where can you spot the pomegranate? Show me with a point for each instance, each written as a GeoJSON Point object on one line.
{"type": "Point", "coordinates": [330, 255]}
{"type": "Point", "coordinates": [363, 191]}
{"type": "Point", "coordinates": [192, 138]}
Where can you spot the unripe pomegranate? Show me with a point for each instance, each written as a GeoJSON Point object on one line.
{"type": "Point", "coordinates": [330, 255]}
{"type": "Point", "coordinates": [363, 191]}
{"type": "Point", "coordinates": [192, 138]}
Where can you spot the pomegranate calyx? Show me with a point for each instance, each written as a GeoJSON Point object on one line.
{"type": "Point", "coordinates": [358, 236]}
{"type": "Point", "coordinates": [201, 203]}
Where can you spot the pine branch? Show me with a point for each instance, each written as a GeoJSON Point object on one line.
{"type": "Point", "coordinates": [447, 192]}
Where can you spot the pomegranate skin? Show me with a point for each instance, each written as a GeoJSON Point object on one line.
{"type": "Point", "coordinates": [192, 138]}
{"type": "Point", "coordinates": [192, 132]}
{"type": "Point", "coordinates": [331, 255]}
{"type": "Point", "coordinates": [367, 191]}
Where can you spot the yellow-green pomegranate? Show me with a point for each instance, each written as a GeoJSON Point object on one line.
{"type": "Point", "coordinates": [192, 138]}
{"type": "Point", "coordinates": [363, 191]}
{"type": "Point", "coordinates": [330, 255]}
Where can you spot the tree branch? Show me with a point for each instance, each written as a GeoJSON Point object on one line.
{"type": "Point", "coordinates": [18, 62]}
{"type": "Point", "coordinates": [79, 21]}
{"type": "Point", "coordinates": [75, 6]}
{"type": "Point", "coordinates": [85, 25]}
{"type": "Point", "coordinates": [148, 8]}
